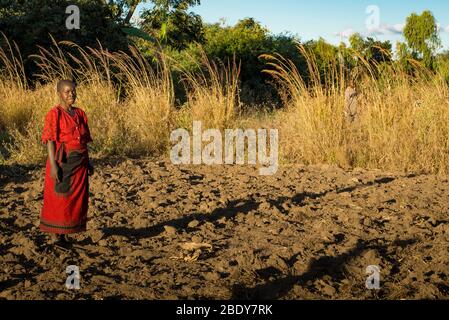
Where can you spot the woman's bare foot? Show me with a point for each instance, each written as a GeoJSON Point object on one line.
{"type": "Point", "coordinates": [63, 238]}
{"type": "Point", "coordinates": [56, 238]}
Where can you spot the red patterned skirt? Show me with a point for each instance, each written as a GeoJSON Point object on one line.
{"type": "Point", "coordinates": [66, 203]}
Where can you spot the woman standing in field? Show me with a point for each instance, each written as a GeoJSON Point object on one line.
{"type": "Point", "coordinates": [66, 134]}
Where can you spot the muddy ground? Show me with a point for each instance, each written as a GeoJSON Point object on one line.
{"type": "Point", "coordinates": [308, 232]}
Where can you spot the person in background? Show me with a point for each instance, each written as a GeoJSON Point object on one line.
{"type": "Point", "coordinates": [351, 109]}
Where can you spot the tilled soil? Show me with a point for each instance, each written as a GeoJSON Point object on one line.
{"type": "Point", "coordinates": [163, 231]}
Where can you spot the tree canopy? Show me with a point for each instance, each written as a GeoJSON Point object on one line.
{"type": "Point", "coordinates": [172, 24]}
{"type": "Point", "coordinates": [421, 34]}
{"type": "Point", "coordinates": [32, 23]}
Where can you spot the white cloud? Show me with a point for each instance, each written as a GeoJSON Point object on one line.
{"type": "Point", "coordinates": [386, 29]}
{"type": "Point", "coordinates": [398, 28]}
{"type": "Point", "coordinates": [441, 29]}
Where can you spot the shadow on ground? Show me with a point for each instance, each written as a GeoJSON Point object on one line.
{"type": "Point", "coordinates": [326, 265]}
{"type": "Point", "coordinates": [231, 210]}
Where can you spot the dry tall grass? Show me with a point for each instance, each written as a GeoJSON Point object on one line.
{"type": "Point", "coordinates": [212, 93]}
{"type": "Point", "coordinates": [130, 104]}
{"type": "Point", "coordinates": [129, 116]}
{"type": "Point", "coordinates": [404, 120]}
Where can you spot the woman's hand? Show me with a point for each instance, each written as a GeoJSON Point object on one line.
{"type": "Point", "coordinates": [90, 168]}
{"type": "Point", "coordinates": [54, 169]}
{"type": "Point", "coordinates": [54, 172]}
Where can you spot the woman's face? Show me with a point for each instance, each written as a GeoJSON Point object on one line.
{"type": "Point", "coordinates": [68, 95]}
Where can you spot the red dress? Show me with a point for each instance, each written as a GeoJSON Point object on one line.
{"type": "Point", "coordinates": [66, 203]}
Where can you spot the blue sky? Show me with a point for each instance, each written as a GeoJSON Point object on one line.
{"type": "Point", "coordinates": [332, 20]}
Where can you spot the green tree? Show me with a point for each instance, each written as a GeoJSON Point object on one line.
{"type": "Point", "coordinates": [30, 23]}
{"type": "Point", "coordinates": [123, 10]}
{"type": "Point", "coordinates": [172, 24]}
{"type": "Point", "coordinates": [422, 38]}
{"type": "Point", "coordinates": [373, 51]}
{"type": "Point", "coordinates": [356, 42]}
{"type": "Point", "coordinates": [404, 55]}
{"type": "Point", "coordinates": [247, 40]}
